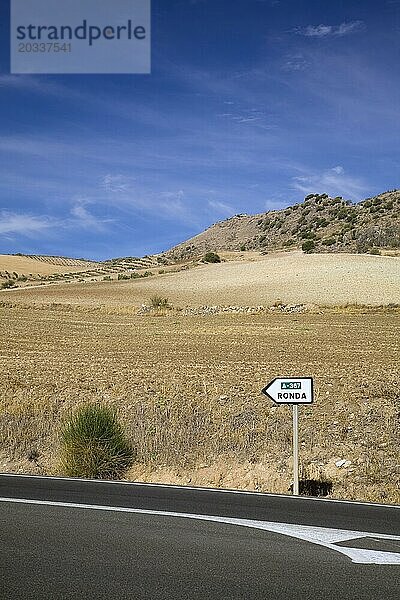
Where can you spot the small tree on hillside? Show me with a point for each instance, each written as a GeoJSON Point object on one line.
{"type": "Point", "coordinates": [211, 257]}
{"type": "Point", "coordinates": [308, 246]}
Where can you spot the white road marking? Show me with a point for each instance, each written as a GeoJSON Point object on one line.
{"type": "Point", "coordinates": [199, 489]}
{"type": "Point", "coordinates": [322, 536]}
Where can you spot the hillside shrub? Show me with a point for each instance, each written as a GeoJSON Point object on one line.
{"type": "Point", "coordinates": [307, 235]}
{"type": "Point", "coordinates": [211, 257]}
{"type": "Point", "coordinates": [93, 444]}
{"type": "Point", "coordinates": [362, 247]}
{"type": "Point", "coordinates": [158, 302]}
{"type": "Point", "coordinates": [7, 284]}
{"type": "Point", "coordinates": [329, 242]}
{"type": "Point", "coordinates": [375, 251]}
{"type": "Point", "coordinates": [308, 246]}
{"type": "Point", "coordinates": [289, 242]}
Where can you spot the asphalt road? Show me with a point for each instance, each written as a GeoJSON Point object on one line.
{"type": "Point", "coordinates": [78, 539]}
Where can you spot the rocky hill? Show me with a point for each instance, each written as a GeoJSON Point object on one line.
{"type": "Point", "coordinates": [319, 224]}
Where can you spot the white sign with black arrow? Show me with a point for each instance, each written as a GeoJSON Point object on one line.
{"type": "Point", "coordinates": [290, 390]}
{"type": "Point", "coordinates": [295, 391]}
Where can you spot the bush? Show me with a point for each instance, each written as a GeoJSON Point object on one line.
{"type": "Point", "coordinates": [308, 235]}
{"type": "Point", "coordinates": [329, 242]}
{"type": "Point", "coordinates": [289, 242]}
{"type": "Point", "coordinates": [93, 444]}
{"type": "Point", "coordinates": [7, 284]}
{"type": "Point", "coordinates": [158, 302]}
{"type": "Point", "coordinates": [375, 251]}
{"type": "Point", "coordinates": [320, 222]}
{"type": "Point", "coordinates": [211, 257]}
{"type": "Point", "coordinates": [308, 246]}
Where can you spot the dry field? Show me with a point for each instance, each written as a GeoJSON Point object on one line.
{"type": "Point", "coordinates": [293, 277]}
{"type": "Point", "coordinates": [26, 265]}
{"type": "Point", "coordinates": [188, 388]}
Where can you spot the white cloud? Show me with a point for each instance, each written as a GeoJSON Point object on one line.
{"type": "Point", "coordinates": [247, 116]}
{"type": "Point", "coordinates": [339, 170]}
{"type": "Point", "coordinates": [322, 31]}
{"type": "Point", "coordinates": [295, 62]}
{"type": "Point", "coordinates": [83, 218]}
{"type": "Point", "coordinates": [334, 182]}
{"type": "Point", "coordinates": [28, 225]}
{"type": "Point", "coordinates": [23, 224]}
{"type": "Point", "coordinates": [317, 30]}
{"type": "Point", "coordinates": [346, 28]}
{"type": "Point", "coordinates": [127, 194]}
{"type": "Point", "coordinates": [221, 207]}
{"type": "Point", "coordinates": [117, 183]}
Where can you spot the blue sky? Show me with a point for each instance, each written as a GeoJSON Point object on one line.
{"type": "Point", "coordinates": [251, 104]}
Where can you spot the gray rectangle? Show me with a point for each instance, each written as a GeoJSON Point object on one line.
{"type": "Point", "coordinates": [80, 36]}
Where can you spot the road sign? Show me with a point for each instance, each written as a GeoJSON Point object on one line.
{"type": "Point", "coordinates": [290, 390]}
{"type": "Point", "coordinates": [295, 391]}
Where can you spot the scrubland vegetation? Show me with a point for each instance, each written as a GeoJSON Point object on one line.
{"type": "Point", "coordinates": [187, 390]}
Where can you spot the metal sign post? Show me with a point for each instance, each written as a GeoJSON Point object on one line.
{"type": "Point", "coordinates": [296, 449]}
{"type": "Point", "coordinates": [294, 391]}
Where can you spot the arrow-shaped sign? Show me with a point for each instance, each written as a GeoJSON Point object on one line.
{"type": "Point", "coordinates": [290, 390]}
